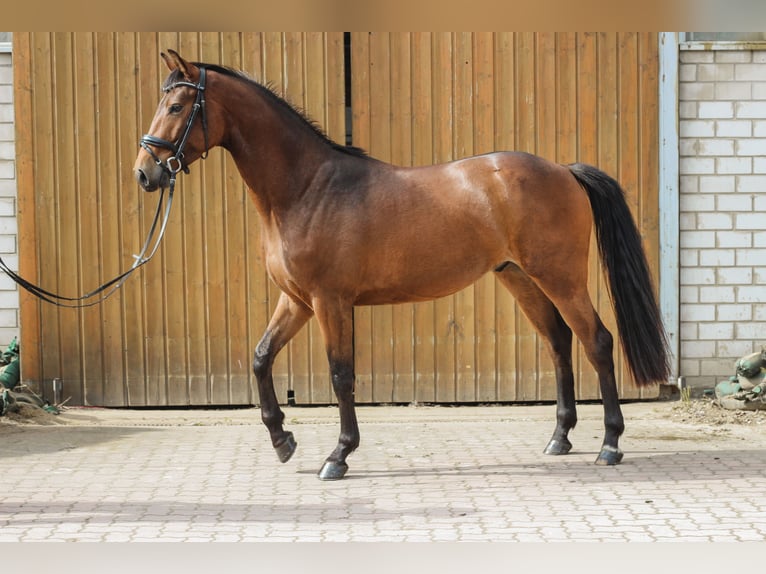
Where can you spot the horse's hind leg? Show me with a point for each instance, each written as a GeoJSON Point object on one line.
{"type": "Point", "coordinates": [571, 298]}
{"type": "Point", "coordinates": [547, 320]}
{"type": "Point", "coordinates": [287, 320]}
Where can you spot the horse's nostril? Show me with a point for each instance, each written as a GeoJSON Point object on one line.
{"type": "Point", "coordinates": [142, 179]}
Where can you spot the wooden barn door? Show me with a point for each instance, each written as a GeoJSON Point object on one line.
{"type": "Point", "coordinates": [182, 332]}
{"type": "Point", "coordinates": [422, 98]}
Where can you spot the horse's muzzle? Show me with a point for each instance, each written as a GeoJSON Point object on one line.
{"type": "Point", "coordinates": [152, 178]}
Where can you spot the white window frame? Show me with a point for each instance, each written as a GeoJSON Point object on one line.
{"type": "Point", "coordinates": [703, 45]}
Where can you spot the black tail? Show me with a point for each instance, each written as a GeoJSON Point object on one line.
{"type": "Point", "coordinates": [643, 336]}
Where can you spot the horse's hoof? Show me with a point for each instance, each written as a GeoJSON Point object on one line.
{"type": "Point", "coordinates": [609, 456]}
{"type": "Point", "coordinates": [557, 447]}
{"type": "Point", "coordinates": [286, 448]}
{"type": "Point", "coordinates": [332, 470]}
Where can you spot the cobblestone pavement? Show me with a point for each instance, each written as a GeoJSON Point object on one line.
{"type": "Point", "coordinates": [420, 474]}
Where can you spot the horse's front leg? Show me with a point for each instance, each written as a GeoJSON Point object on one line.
{"type": "Point", "coordinates": [336, 320]}
{"type": "Point", "coordinates": [287, 320]}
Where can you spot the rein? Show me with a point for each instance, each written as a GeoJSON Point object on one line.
{"type": "Point", "coordinates": [172, 166]}
{"type": "Point", "coordinates": [140, 260]}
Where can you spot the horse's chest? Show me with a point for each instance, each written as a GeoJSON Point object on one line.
{"type": "Point", "coordinates": [280, 268]}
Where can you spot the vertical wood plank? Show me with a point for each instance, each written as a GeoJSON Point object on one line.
{"type": "Point", "coordinates": [274, 74]}
{"type": "Point", "coordinates": [134, 325]}
{"type": "Point", "coordinates": [506, 127]}
{"type": "Point", "coordinates": [566, 112]}
{"type": "Point", "coordinates": [195, 238]}
{"type": "Point", "coordinates": [526, 117]}
{"type": "Point", "coordinates": [608, 159]}
{"type": "Point", "coordinates": [464, 122]}
{"type": "Point", "coordinates": [403, 364]}
{"type": "Point", "coordinates": [258, 302]}
{"type": "Point", "coordinates": [628, 156]}
{"type": "Point", "coordinates": [485, 339]}
{"type": "Point", "coordinates": [316, 69]}
{"type": "Point", "coordinates": [175, 271]}
{"type": "Point", "coordinates": [112, 391]}
{"type": "Point", "coordinates": [45, 195]}
{"type": "Point", "coordinates": [361, 133]}
{"type": "Point", "coordinates": [546, 109]}
{"type": "Point", "coordinates": [236, 263]}
{"type": "Point", "coordinates": [648, 159]}
{"type": "Point", "coordinates": [25, 79]}
{"type": "Point", "coordinates": [442, 96]}
{"type": "Point", "coordinates": [88, 205]}
{"type": "Point", "coordinates": [215, 254]}
{"type": "Point", "coordinates": [154, 277]}
{"type": "Point", "coordinates": [422, 154]}
{"type": "Point", "coordinates": [294, 90]}
{"type": "Point", "coordinates": [66, 211]}
{"type": "Point", "coordinates": [380, 148]}
{"type": "Point", "coordinates": [335, 85]}
{"type": "Point", "coordinates": [587, 113]}
{"type": "Point", "coordinates": [566, 97]}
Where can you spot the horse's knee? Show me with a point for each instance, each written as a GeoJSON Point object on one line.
{"type": "Point", "coordinates": [262, 362]}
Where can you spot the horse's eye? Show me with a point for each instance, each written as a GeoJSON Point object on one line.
{"type": "Point", "coordinates": [175, 108]}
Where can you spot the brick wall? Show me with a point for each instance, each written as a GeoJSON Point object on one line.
{"type": "Point", "coordinates": [9, 296]}
{"type": "Point", "coordinates": [722, 130]}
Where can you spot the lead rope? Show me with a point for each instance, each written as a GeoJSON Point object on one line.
{"type": "Point", "coordinates": [140, 260]}
{"type": "Point", "coordinates": [172, 166]}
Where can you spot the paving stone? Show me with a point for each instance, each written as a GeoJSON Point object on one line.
{"type": "Point", "coordinates": [421, 474]}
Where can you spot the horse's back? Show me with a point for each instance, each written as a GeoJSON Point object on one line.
{"type": "Point", "coordinates": [424, 232]}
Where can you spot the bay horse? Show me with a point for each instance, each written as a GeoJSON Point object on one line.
{"type": "Point", "coordinates": [340, 228]}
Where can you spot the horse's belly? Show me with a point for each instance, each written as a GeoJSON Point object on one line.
{"type": "Point", "coordinates": [416, 287]}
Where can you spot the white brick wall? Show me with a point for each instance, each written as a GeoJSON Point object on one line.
{"type": "Point", "coordinates": [722, 140]}
{"type": "Point", "coordinates": [9, 296]}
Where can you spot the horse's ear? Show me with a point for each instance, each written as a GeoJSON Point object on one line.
{"type": "Point", "coordinates": [175, 62]}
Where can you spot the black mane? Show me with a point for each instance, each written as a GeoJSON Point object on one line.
{"type": "Point", "coordinates": [269, 91]}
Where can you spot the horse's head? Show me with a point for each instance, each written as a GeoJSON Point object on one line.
{"type": "Point", "coordinates": [178, 133]}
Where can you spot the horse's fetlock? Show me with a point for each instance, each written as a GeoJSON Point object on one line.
{"type": "Point", "coordinates": [273, 419]}
{"type": "Point", "coordinates": [351, 441]}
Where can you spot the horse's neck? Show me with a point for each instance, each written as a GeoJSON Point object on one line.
{"type": "Point", "coordinates": [277, 158]}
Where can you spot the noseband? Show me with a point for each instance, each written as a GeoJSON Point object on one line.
{"type": "Point", "coordinates": [175, 162]}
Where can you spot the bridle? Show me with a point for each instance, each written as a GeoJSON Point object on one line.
{"type": "Point", "coordinates": [171, 166]}
{"type": "Point", "coordinates": [175, 162]}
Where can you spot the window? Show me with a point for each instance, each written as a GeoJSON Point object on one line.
{"type": "Point", "coordinates": [6, 41]}
{"type": "Point", "coordinates": [723, 41]}
{"type": "Point", "coordinates": [726, 36]}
